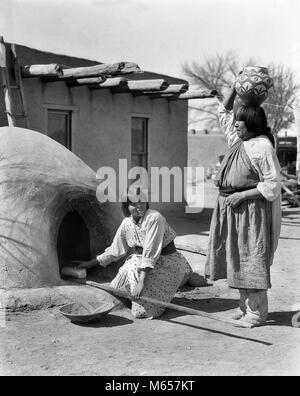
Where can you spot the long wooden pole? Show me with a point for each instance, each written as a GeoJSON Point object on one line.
{"type": "Point", "coordinates": [114, 82]}
{"type": "Point", "coordinates": [194, 95]}
{"type": "Point", "coordinates": [6, 87]}
{"type": "Point", "coordinates": [180, 308]}
{"type": "Point", "coordinates": [170, 90]}
{"type": "Point", "coordinates": [79, 82]}
{"type": "Point", "coordinates": [19, 84]}
{"type": "Point", "coordinates": [147, 85]}
{"type": "Point", "coordinates": [102, 69]}
{"type": "Point", "coordinates": [176, 88]}
{"type": "Point", "coordinates": [137, 86]}
{"type": "Point", "coordinates": [48, 70]}
{"type": "Point", "coordinates": [55, 72]}
{"type": "Point", "coordinates": [191, 249]}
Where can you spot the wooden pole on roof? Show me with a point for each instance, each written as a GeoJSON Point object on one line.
{"type": "Point", "coordinates": [194, 95]}
{"type": "Point", "coordinates": [102, 69]}
{"type": "Point", "coordinates": [176, 88]}
{"type": "Point", "coordinates": [114, 82]}
{"type": "Point", "coordinates": [170, 90]}
{"type": "Point", "coordinates": [49, 70]}
{"type": "Point", "coordinates": [136, 86]}
{"type": "Point", "coordinates": [147, 85]}
{"type": "Point", "coordinates": [79, 82]}
{"type": "Point", "coordinates": [179, 96]}
{"type": "Point", "coordinates": [55, 72]}
{"type": "Point", "coordinates": [6, 85]}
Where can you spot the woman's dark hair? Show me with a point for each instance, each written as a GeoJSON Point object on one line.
{"type": "Point", "coordinates": [255, 120]}
{"type": "Point", "coordinates": [130, 196]}
{"type": "Point", "coordinates": [125, 209]}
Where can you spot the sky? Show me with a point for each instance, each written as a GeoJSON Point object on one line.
{"type": "Point", "coordinates": [159, 35]}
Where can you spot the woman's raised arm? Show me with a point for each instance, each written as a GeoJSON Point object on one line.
{"type": "Point", "coordinates": [229, 99]}
{"type": "Point", "coordinates": [226, 117]}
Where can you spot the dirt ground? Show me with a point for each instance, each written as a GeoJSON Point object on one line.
{"type": "Point", "coordinates": [45, 343]}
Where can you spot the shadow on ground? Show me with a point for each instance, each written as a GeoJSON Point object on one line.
{"type": "Point", "coordinates": [108, 321]}
{"type": "Point", "coordinates": [208, 305]}
{"type": "Point", "coordinates": [218, 305]}
{"type": "Point", "coordinates": [280, 318]}
{"type": "Point", "coordinates": [219, 332]}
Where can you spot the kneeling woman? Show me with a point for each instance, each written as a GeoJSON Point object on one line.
{"type": "Point", "coordinates": [155, 269]}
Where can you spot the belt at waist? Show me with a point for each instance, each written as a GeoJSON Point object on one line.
{"type": "Point", "coordinates": [226, 193]}
{"type": "Point", "coordinates": [169, 249]}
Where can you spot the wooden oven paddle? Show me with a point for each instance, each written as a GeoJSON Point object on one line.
{"type": "Point", "coordinates": [176, 307]}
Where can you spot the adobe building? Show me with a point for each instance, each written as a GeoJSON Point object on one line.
{"type": "Point", "coordinates": [287, 153]}
{"type": "Point", "coordinates": [62, 119]}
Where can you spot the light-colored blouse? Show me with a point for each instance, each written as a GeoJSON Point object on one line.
{"type": "Point", "coordinates": [152, 233]}
{"type": "Point", "coordinates": [264, 159]}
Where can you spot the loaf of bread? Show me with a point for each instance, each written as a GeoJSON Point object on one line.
{"type": "Point", "coordinates": [73, 272]}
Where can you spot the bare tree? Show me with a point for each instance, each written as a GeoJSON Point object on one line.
{"type": "Point", "coordinates": [281, 98]}
{"type": "Point", "coordinates": [219, 72]}
{"type": "Point", "coordinates": [216, 73]}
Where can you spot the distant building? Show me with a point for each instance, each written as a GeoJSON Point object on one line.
{"type": "Point", "coordinates": [205, 150]}
{"type": "Point", "coordinates": [287, 153]}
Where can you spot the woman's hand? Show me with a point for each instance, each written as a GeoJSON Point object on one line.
{"type": "Point", "coordinates": [234, 200]}
{"type": "Point", "coordinates": [136, 293]}
{"type": "Point", "coordinates": [239, 73]}
{"type": "Point", "coordinates": [85, 264]}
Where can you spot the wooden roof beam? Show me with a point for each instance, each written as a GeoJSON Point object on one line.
{"type": "Point", "coordinates": [194, 95]}
{"type": "Point", "coordinates": [182, 96]}
{"type": "Point", "coordinates": [79, 82]}
{"type": "Point", "coordinates": [55, 72]}
{"type": "Point", "coordinates": [137, 86]}
{"type": "Point", "coordinates": [170, 90]}
{"type": "Point", "coordinates": [114, 82]}
{"type": "Point", "coordinates": [103, 69]}
{"type": "Point", "coordinates": [176, 88]}
{"type": "Point", "coordinates": [147, 85]}
{"type": "Point", "coordinates": [52, 70]}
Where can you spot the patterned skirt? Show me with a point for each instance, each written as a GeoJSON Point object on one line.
{"type": "Point", "coordinates": [161, 283]}
{"type": "Point", "coordinates": [239, 247]}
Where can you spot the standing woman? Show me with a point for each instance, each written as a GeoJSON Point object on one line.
{"type": "Point", "coordinates": [155, 269]}
{"type": "Point", "coordinates": [246, 221]}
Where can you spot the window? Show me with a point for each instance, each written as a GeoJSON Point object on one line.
{"type": "Point", "coordinates": [139, 142]}
{"type": "Point", "coordinates": [59, 126]}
